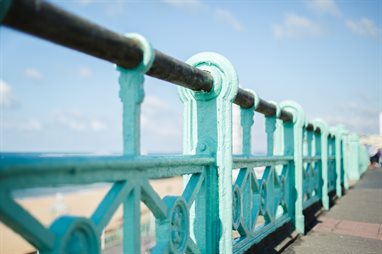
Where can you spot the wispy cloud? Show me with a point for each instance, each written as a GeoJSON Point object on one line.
{"type": "Point", "coordinates": [97, 125]}
{"type": "Point", "coordinates": [186, 4]}
{"type": "Point", "coordinates": [324, 6]}
{"type": "Point", "coordinates": [364, 27]}
{"type": "Point", "coordinates": [357, 116]}
{"type": "Point", "coordinates": [22, 125]}
{"type": "Point", "coordinates": [33, 73]}
{"type": "Point", "coordinates": [31, 125]}
{"type": "Point", "coordinates": [85, 2]}
{"type": "Point", "coordinates": [296, 27]}
{"type": "Point", "coordinates": [111, 8]}
{"type": "Point", "coordinates": [85, 72]}
{"type": "Point", "coordinates": [7, 98]}
{"type": "Point", "coordinates": [228, 18]}
{"type": "Point", "coordinates": [76, 121]}
{"type": "Point", "coordinates": [115, 8]}
{"type": "Point", "coordinates": [225, 16]}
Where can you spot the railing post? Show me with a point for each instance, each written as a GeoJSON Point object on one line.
{"type": "Point", "coordinates": [318, 152]}
{"type": "Point", "coordinates": [208, 130]}
{"type": "Point", "coordinates": [270, 128]}
{"type": "Point", "coordinates": [324, 132]}
{"type": "Point", "coordinates": [131, 94]}
{"type": "Point", "coordinates": [364, 158]}
{"type": "Point", "coordinates": [298, 124]}
{"type": "Point", "coordinates": [342, 158]}
{"type": "Point", "coordinates": [353, 169]}
{"type": "Point", "coordinates": [345, 158]}
{"type": "Point", "coordinates": [288, 146]}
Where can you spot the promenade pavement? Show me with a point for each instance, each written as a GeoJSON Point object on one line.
{"type": "Point", "coordinates": [352, 226]}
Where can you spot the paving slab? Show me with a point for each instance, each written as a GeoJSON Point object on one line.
{"type": "Point", "coordinates": [353, 225]}
{"type": "Point", "coordinates": [322, 243]}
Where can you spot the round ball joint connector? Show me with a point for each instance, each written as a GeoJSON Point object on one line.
{"type": "Point", "coordinates": [177, 225]}
{"type": "Point", "coordinates": [75, 235]}
{"type": "Point", "coordinates": [224, 74]}
{"type": "Point", "coordinates": [148, 53]}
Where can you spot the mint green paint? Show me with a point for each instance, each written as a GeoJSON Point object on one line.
{"type": "Point", "coordinates": [132, 221]}
{"type": "Point", "coordinates": [246, 122]}
{"type": "Point", "coordinates": [353, 149]}
{"type": "Point", "coordinates": [324, 132]}
{"type": "Point", "coordinates": [338, 132]}
{"type": "Point", "coordinates": [174, 232]}
{"type": "Point", "coordinates": [18, 219]}
{"type": "Point", "coordinates": [208, 128]}
{"type": "Point", "coordinates": [131, 94]}
{"type": "Point", "coordinates": [288, 145]}
{"type": "Point", "coordinates": [345, 159]}
{"type": "Point", "coordinates": [246, 117]}
{"type": "Point", "coordinates": [318, 164]}
{"type": "Point", "coordinates": [312, 180]}
{"type": "Point", "coordinates": [271, 196]}
{"type": "Point", "coordinates": [332, 162]}
{"type": "Point", "coordinates": [270, 127]}
{"type": "Point", "coordinates": [363, 159]}
{"type": "Point", "coordinates": [298, 124]}
{"type": "Point", "coordinates": [75, 235]}
{"type": "Point", "coordinates": [106, 209]}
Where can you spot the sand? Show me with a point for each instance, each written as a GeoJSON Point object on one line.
{"type": "Point", "coordinates": [82, 203]}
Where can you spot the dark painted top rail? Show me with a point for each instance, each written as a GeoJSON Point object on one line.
{"type": "Point", "coordinates": [45, 20]}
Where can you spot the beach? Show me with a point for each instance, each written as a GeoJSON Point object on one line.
{"type": "Point", "coordinates": [47, 208]}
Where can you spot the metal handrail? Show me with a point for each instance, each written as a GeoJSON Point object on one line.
{"type": "Point", "coordinates": [49, 22]}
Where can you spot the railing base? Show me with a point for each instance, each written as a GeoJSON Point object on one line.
{"type": "Point", "coordinates": [277, 241]}
{"type": "Point", "coordinates": [311, 214]}
{"type": "Point", "coordinates": [332, 198]}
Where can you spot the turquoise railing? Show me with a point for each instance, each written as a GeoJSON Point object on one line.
{"type": "Point", "coordinates": [306, 163]}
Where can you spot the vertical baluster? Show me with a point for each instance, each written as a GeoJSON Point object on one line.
{"type": "Point", "coordinates": [322, 150]}
{"type": "Point", "coordinates": [346, 159]}
{"type": "Point", "coordinates": [132, 222]}
{"type": "Point", "coordinates": [288, 133]}
{"type": "Point", "coordinates": [270, 127]}
{"type": "Point", "coordinates": [273, 195]}
{"type": "Point", "coordinates": [339, 159]}
{"type": "Point", "coordinates": [318, 163]}
{"type": "Point", "coordinates": [210, 118]}
{"type": "Point", "coordinates": [246, 120]}
{"type": "Point", "coordinates": [298, 124]}
{"type": "Point", "coordinates": [309, 170]}
{"type": "Point", "coordinates": [131, 94]}
{"type": "Point", "coordinates": [309, 144]}
{"type": "Point", "coordinates": [333, 169]}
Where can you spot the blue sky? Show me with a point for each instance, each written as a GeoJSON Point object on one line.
{"type": "Point", "coordinates": [326, 55]}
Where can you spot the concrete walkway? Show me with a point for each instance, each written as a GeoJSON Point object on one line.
{"type": "Point", "coordinates": [352, 226]}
